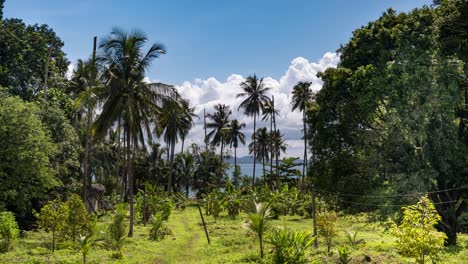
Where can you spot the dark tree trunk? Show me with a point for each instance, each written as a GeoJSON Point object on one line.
{"type": "Point", "coordinates": [254, 151]}
{"type": "Point", "coordinates": [130, 183]}
{"type": "Point", "coordinates": [304, 165]}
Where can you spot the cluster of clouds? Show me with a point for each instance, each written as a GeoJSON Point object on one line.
{"type": "Point", "coordinates": [205, 94]}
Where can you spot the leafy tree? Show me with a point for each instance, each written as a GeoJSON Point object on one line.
{"type": "Point", "coordinates": [117, 230]}
{"type": "Point", "coordinates": [8, 230]}
{"type": "Point", "coordinates": [52, 217]}
{"type": "Point", "coordinates": [77, 221]}
{"type": "Point", "coordinates": [26, 173]}
{"type": "Point", "coordinates": [388, 117]}
{"type": "Point", "coordinates": [24, 50]}
{"type": "Point", "coordinates": [158, 228]}
{"type": "Point", "coordinates": [66, 142]}
{"type": "Point", "coordinates": [2, 2]}
{"type": "Point", "coordinates": [326, 225]}
{"type": "Point", "coordinates": [417, 235]}
{"type": "Point", "coordinates": [253, 104]}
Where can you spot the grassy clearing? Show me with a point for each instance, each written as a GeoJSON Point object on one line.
{"type": "Point", "coordinates": [230, 243]}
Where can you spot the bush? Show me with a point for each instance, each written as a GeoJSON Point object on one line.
{"type": "Point", "coordinates": [417, 236]}
{"type": "Point", "coordinates": [289, 246]}
{"type": "Point", "coordinates": [149, 202]}
{"type": "Point", "coordinates": [344, 255]}
{"type": "Point", "coordinates": [8, 230]}
{"type": "Point", "coordinates": [326, 225]}
{"type": "Point", "coordinates": [214, 203]}
{"type": "Point", "coordinates": [158, 228]}
{"type": "Point", "coordinates": [117, 231]}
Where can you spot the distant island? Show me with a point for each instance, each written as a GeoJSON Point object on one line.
{"type": "Point", "coordinates": [247, 160]}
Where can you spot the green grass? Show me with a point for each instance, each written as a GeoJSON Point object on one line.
{"type": "Point", "coordinates": [230, 243]}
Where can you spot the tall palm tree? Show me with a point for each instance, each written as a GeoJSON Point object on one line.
{"type": "Point", "coordinates": [129, 97]}
{"type": "Point", "coordinates": [189, 113]}
{"type": "Point", "coordinates": [277, 145]}
{"type": "Point", "coordinates": [255, 93]}
{"type": "Point", "coordinates": [220, 121]}
{"type": "Point", "coordinates": [301, 96]}
{"type": "Point", "coordinates": [262, 147]}
{"type": "Point", "coordinates": [234, 135]}
{"type": "Point", "coordinates": [269, 113]}
{"type": "Point", "coordinates": [174, 122]}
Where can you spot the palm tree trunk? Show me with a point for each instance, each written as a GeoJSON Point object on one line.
{"type": "Point", "coordinates": [264, 178]}
{"type": "Point", "coordinates": [304, 163]}
{"type": "Point", "coordinates": [130, 183]}
{"type": "Point", "coordinates": [277, 153]}
{"type": "Point", "coordinates": [170, 182]}
{"type": "Point", "coordinates": [183, 142]}
{"type": "Point", "coordinates": [221, 164]}
{"type": "Point", "coordinates": [254, 151]}
{"type": "Point", "coordinates": [118, 154]}
{"type": "Point", "coordinates": [271, 152]}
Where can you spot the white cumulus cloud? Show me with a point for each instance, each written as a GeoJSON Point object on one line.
{"type": "Point", "coordinates": [204, 94]}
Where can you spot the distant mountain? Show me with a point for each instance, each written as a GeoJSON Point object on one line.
{"type": "Point", "coordinates": [246, 160]}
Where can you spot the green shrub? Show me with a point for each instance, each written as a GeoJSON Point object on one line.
{"type": "Point", "coordinates": [232, 200]}
{"type": "Point", "coordinates": [78, 222]}
{"type": "Point", "coordinates": [52, 217]}
{"type": "Point", "coordinates": [117, 231]}
{"type": "Point", "coordinates": [159, 228]}
{"type": "Point", "coordinates": [417, 236]}
{"type": "Point", "coordinates": [289, 246]}
{"type": "Point", "coordinates": [344, 255]}
{"type": "Point", "coordinates": [8, 230]}
{"type": "Point", "coordinates": [326, 225]}
{"type": "Point", "coordinates": [214, 203]}
{"type": "Point", "coordinates": [352, 238]}
{"type": "Point", "coordinates": [150, 202]}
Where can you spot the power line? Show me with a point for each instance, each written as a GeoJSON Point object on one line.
{"type": "Point", "coordinates": [397, 205]}
{"type": "Point", "coordinates": [388, 196]}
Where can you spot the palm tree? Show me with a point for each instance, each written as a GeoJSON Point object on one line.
{"type": "Point", "coordinates": [174, 122]}
{"type": "Point", "coordinates": [220, 121]}
{"type": "Point", "coordinates": [189, 113]}
{"type": "Point", "coordinates": [262, 146]}
{"type": "Point", "coordinates": [269, 113]}
{"type": "Point", "coordinates": [129, 97]}
{"type": "Point", "coordinates": [234, 135]}
{"type": "Point", "coordinates": [253, 104]}
{"type": "Point", "coordinates": [301, 96]}
{"type": "Point", "coordinates": [277, 145]}
{"type": "Point", "coordinates": [257, 222]}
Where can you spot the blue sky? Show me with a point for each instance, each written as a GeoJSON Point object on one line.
{"type": "Point", "coordinates": [213, 45]}
{"type": "Point", "coordinates": [211, 38]}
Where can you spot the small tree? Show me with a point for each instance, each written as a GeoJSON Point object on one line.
{"type": "Point", "coordinates": [8, 230]}
{"type": "Point", "coordinates": [52, 217]}
{"type": "Point", "coordinates": [159, 228]}
{"type": "Point", "coordinates": [326, 225]}
{"type": "Point", "coordinates": [417, 236]}
{"type": "Point", "coordinates": [77, 222]}
{"type": "Point", "coordinates": [117, 231]}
